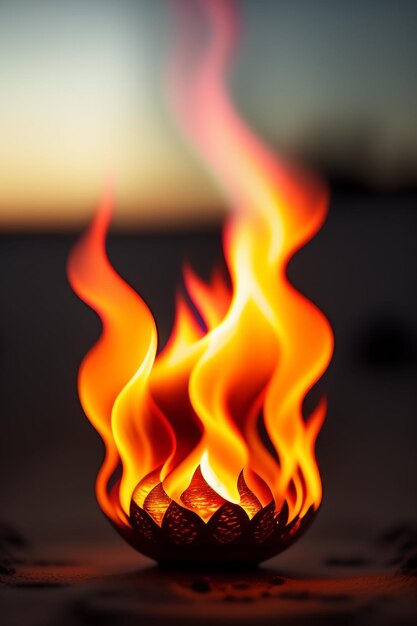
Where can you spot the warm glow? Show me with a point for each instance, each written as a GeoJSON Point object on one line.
{"type": "Point", "coordinates": [183, 425]}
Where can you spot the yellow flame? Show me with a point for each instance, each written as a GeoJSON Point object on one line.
{"type": "Point", "coordinates": [199, 404]}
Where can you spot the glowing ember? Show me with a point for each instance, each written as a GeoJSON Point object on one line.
{"type": "Point", "coordinates": [184, 426]}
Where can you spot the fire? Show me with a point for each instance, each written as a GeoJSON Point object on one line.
{"type": "Point", "coordinates": [183, 426]}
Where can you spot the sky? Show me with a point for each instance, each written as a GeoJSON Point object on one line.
{"type": "Point", "coordinates": [82, 95]}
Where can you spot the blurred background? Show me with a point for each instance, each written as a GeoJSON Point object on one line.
{"type": "Point", "coordinates": [82, 93]}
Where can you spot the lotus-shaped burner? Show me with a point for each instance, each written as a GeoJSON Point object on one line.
{"type": "Point", "coordinates": [178, 535]}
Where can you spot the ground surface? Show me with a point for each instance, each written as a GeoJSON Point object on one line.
{"type": "Point", "coordinates": [110, 584]}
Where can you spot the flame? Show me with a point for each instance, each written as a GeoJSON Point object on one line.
{"type": "Point", "coordinates": [184, 425]}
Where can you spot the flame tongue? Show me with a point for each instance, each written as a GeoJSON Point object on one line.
{"type": "Point", "coordinates": [185, 425]}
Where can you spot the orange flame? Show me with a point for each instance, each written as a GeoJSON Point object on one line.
{"type": "Point", "coordinates": [185, 425]}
